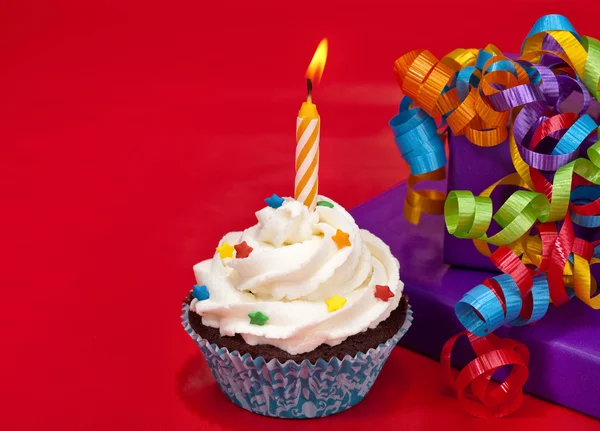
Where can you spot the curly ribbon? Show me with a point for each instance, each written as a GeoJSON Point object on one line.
{"type": "Point", "coordinates": [429, 82]}
{"type": "Point", "coordinates": [591, 76]}
{"type": "Point", "coordinates": [523, 208]}
{"type": "Point", "coordinates": [419, 143]}
{"type": "Point", "coordinates": [549, 100]}
{"type": "Point", "coordinates": [501, 300]}
{"type": "Point", "coordinates": [476, 394]}
{"type": "Point", "coordinates": [424, 201]}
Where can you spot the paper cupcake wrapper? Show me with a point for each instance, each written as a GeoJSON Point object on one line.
{"type": "Point", "coordinates": [295, 390]}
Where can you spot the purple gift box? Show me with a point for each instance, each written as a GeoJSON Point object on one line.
{"type": "Point", "coordinates": [475, 168]}
{"type": "Point", "coordinates": [565, 354]}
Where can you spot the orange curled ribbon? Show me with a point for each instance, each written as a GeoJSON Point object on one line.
{"type": "Point", "coordinates": [424, 79]}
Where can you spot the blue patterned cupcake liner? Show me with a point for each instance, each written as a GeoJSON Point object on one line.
{"type": "Point", "coordinates": [295, 390]}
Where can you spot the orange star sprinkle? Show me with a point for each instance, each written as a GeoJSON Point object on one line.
{"type": "Point", "coordinates": [341, 238]}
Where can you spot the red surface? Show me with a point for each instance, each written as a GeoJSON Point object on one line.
{"type": "Point", "coordinates": [133, 135]}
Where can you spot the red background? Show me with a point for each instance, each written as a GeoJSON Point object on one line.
{"type": "Point", "coordinates": [134, 134]}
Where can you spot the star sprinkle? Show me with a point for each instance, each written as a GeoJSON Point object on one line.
{"type": "Point", "coordinates": [383, 292]}
{"type": "Point", "coordinates": [242, 250]}
{"type": "Point", "coordinates": [257, 318]}
{"type": "Point", "coordinates": [274, 201]}
{"type": "Point", "coordinates": [341, 239]}
{"type": "Point", "coordinates": [335, 303]}
{"type": "Point", "coordinates": [324, 204]}
{"type": "Point", "coordinates": [200, 293]}
{"type": "Point", "coordinates": [226, 250]}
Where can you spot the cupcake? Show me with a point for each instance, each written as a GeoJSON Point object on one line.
{"type": "Point", "coordinates": [297, 315]}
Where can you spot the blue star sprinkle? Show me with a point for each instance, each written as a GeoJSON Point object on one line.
{"type": "Point", "coordinates": [200, 293]}
{"type": "Point", "coordinates": [274, 201]}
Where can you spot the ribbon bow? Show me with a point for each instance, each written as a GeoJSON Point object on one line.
{"type": "Point", "coordinates": [545, 104]}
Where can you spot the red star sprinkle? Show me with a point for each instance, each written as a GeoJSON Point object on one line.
{"type": "Point", "coordinates": [242, 250]}
{"type": "Point", "coordinates": [383, 292]}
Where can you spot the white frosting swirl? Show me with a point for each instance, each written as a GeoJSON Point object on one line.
{"type": "Point", "coordinates": [293, 268]}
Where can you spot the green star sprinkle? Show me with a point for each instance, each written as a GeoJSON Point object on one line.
{"type": "Point", "coordinates": [324, 204]}
{"type": "Point", "coordinates": [257, 318]}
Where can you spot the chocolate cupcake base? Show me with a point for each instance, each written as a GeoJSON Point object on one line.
{"type": "Point", "coordinates": [360, 342]}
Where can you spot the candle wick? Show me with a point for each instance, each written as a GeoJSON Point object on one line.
{"type": "Point", "coordinates": [308, 90]}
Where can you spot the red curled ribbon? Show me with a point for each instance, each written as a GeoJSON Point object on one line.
{"type": "Point", "coordinates": [476, 394]}
{"type": "Point", "coordinates": [508, 262]}
{"type": "Point", "coordinates": [559, 258]}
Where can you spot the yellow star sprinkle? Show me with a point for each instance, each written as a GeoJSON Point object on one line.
{"type": "Point", "coordinates": [335, 303]}
{"type": "Point", "coordinates": [341, 239]}
{"type": "Point", "coordinates": [226, 250]}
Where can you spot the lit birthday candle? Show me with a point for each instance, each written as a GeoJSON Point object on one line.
{"type": "Point", "coordinates": [308, 127]}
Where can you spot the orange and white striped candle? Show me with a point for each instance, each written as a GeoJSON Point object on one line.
{"type": "Point", "coordinates": [308, 128]}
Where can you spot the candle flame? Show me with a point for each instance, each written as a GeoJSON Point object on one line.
{"type": "Point", "coordinates": [315, 69]}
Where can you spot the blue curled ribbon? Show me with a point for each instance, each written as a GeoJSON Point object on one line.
{"type": "Point", "coordinates": [503, 65]}
{"type": "Point", "coordinates": [549, 23]}
{"type": "Point", "coordinates": [482, 58]}
{"type": "Point", "coordinates": [576, 134]}
{"type": "Point", "coordinates": [415, 134]}
{"type": "Point", "coordinates": [464, 79]}
{"type": "Point", "coordinates": [584, 195]}
{"type": "Point", "coordinates": [481, 312]}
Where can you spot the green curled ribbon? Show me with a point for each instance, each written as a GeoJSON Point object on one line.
{"type": "Point", "coordinates": [591, 77]}
{"type": "Point", "coordinates": [594, 152]}
{"type": "Point", "coordinates": [469, 216]}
